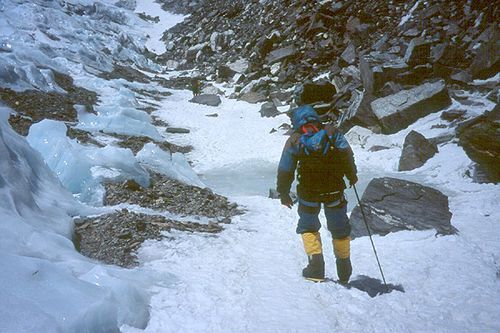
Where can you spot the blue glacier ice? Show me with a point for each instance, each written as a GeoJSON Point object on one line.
{"type": "Point", "coordinates": [82, 169]}
{"type": "Point", "coordinates": [46, 285]}
{"type": "Point", "coordinates": [172, 165]}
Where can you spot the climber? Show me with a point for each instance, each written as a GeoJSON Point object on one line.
{"type": "Point", "coordinates": [322, 157]}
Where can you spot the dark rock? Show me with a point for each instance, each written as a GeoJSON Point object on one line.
{"type": "Point", "coordinates": [418, 52]}
{"type": "Point", "coordinates": [439, 126]}
{"type": "Point", "coordinates": [480, 138]}
{"type": "Point", "coordinates": [349, 54]}
{"type": "Point", "coordinates": [494, 95]}
{"type": "Point", "coordinates": [132, 185]}
{"type": "Point", "coordinates": [195, 52]}
{"type": "Point", "coordinates": [397, 111]}
{"type": "Point", "coordinates": [431, 12]}
{"type": "Point", "coordinates": [177, 130]}
{"type": "Point", "coordinates": [253, 97]}
{"type": "Point", "coordinates": [416, 151]}
{"type": "Point", "coordinates": [486, 62]}
{"type": "Point", "coordinates": [136, 143]}
{"type": "Point", "coordinates": [392, 205]}
{"type": "Point", "coordinates": [317, 92]}
{"type": "Point", "coordinates": [82, 136]}
{"type": "Point", "coordinates": [377, 70]}
{"type": "Point", "coordinates": [442, 139]}
{"type": "Point", "coordinates": [390, 88]}
{"type": "Point", "coordinates": [453, 115]}
{"type": "Point", "coordinates": [213, 115]}
{"type": "Point", "coordinates": [206, 99]}
{"type": "Point", "coordinates": [281, 54]}
{"type": "Point", "coordinates": [125, 72]}
{"type": "Point", "coordinates": [265, 45]}
{"type": "Point", "coordinates": [285, 127]}
{"type": "Point", "coordinates": [412, 32]}
{"type": "Point", "coordinates": [357, 29]}
{"type": "Point", "coordinates": [416, 75]}
{"type": "Point", "coordinates": [225, 73]}
{"type": "Point", "coordinates": [269, 110]}
{"type": "Point", "coordinates": [381, 45]}
{"type": "Point", "coordinates": [446, 54]}
{"type": "Point", "coordinates": [378, 148]}
{"type": "Point", "coordinates": [285, 96]}
{"type": "Point", "coordinates": [360, 114]}
{"type": "Point", "coordinates": [461, 76]}
{"type": "Point", "coordinates": [451, 29]}
{"type": "Point", "coordinates": [372, 76]}
{"type": "Point", "coordinates": [159, 122]}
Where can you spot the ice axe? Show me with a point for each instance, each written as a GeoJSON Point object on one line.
{"type": "Point", "coordinates": [370, 234]}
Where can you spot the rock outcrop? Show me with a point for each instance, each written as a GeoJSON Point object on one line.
{"type": "Point", "coordinates": [397, 111]}
{"type": "Point", "coordinates": [392, 205]}
{"type": "Point", "coordinates": [480, 138]}
{"type": "Point", "coordinates": [206, 99]}
{"type": "Point", "coordinates": [366, 50]}
{"type": "Point", "coordinates": [416, 151]}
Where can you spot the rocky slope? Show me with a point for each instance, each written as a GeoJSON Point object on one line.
{"type": "Point", "coordinates": [355, 59]}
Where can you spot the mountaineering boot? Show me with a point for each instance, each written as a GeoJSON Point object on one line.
{"type": "Point", "coordinates": [315, 270]}
{"type": "Point", "coordinates": [342, 249]}
{"type": "Point", "coordinates": [344, 270]}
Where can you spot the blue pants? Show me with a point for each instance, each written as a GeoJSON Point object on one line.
{"type": "Point", "coordinates": [336, 217]}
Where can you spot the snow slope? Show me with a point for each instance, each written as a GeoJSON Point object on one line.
{"type": "Point", "coordinates": [155, 31]}
{"type": "Point", "coordinates": [248, 278]}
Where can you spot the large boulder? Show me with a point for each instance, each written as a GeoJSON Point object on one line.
{"type": "Point", "coordinates": [416, 151]}
{"type": "Point", "coordinates": [392, 205]}
{"type": "Point", "coordinates": [480, 138]}
{"type": "Point", "coordinates": [253, 97]}
{"type": "Point", "coordinates": [399, 110]}
{"type": "Point", "coordinates": [206, 99]}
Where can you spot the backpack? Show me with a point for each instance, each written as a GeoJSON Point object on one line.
{"type": "Point", "coordinates": [314, 140]}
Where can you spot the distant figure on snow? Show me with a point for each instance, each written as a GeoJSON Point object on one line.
{"type": "Point", "coordinates": [322, 157]}
{"type": "Point", "coordinates": [195, 86]}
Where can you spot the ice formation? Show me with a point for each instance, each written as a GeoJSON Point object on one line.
{"type": "Point", "coordinates": [43, 277]}
{"type": "Point", "coordinates": [82, 169]}
{"type": "Point", "coordinates": [32, 44]}
{"type": "Point", "coordinates": [172, 165]}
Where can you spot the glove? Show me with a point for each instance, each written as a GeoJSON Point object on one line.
{"type": "Point", "coordinates": [286, 200]}
{"type": "Point", "coordinates": [353, 179]}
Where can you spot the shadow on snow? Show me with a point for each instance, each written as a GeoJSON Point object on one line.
{"type": "Point", "coordinates": [371, 286]}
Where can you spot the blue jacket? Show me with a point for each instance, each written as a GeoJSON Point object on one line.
{"type": "Point", "coordinates": [320, 175]}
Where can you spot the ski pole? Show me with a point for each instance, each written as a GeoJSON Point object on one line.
{"type": "Point", "coordinates": [369, 234]}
